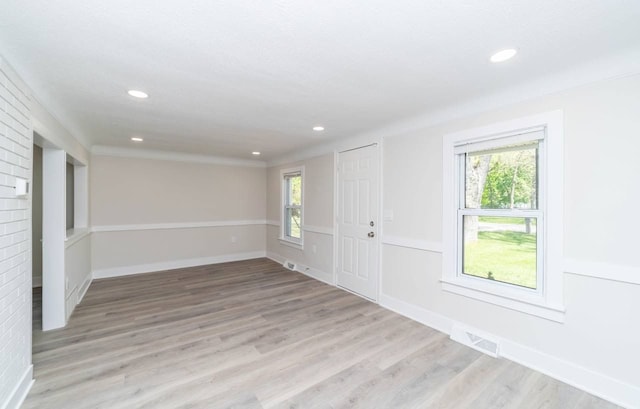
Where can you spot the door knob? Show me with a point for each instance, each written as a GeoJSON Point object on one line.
{"type": "Point", "coordinates": [371, 234]}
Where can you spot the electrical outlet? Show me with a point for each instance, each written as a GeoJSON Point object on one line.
{"type": "Point", "coordinates": [314, 248]}
{"type": "Point", "coordinates": [234, 239]}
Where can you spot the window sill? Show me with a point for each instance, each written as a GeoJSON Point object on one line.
{"type": "Point", "coordinates": [75, 235]}
{"type": "Point", "coordinates": [290, 243]}
{"type": "Point", "coordinates": [530, 305]}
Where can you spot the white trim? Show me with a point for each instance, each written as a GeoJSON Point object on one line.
{"type": "Point", "coordinates": [84, 287]}
{"type": "Point", "coordinates": [319, 275]}
{"type": "Point", "coordinates": [101, 150]}
{"type": "Point", "coordinates": [70, 303]}
{"type": "Point", "coordinates": [275, 257]}
{"type": "Point", "coordinates": [417, 244]}
{"type": "Point", "coordinates": [486, 143]}
{"type": "Point", "coordinates": [593, 382]}
{"type": "Point", "coordinates": [289, 243]}
{"type": "Point", "coordinates": [53, 237]}
{"type": "Point", "coordinates": [80, 194]}
{"type": "Point", "coordinates": [605, 271]}
{"type": "Point", "coordinates": [174, 264]}
{"type": "Point", "coordinates": [178, 225]}
{"type": "Point", "coordinates": [416, 313]}
{"type": "Point", "coordinates": [525, 304]}
{"type": "Point", "coordinates": [318, 229]}
{"type": "Point", "coordinates": [284, 239]}
{"type": "Point", "coordinates": [76, 236]}
{"type": "Point", "coordinates": [272, 223]}
{"type": "Point", "coordinates": [549, 302]}
{"type": "Point", "coordinates": [22, 388]}
{"type": "Point", "coordinates": [336, 229]}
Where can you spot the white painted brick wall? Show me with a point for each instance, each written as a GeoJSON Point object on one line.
{"type": "Point", "coordinates": [16, 139]}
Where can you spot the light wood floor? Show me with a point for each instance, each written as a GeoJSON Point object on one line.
{"type": "Point", "coordinates": [253, 335]}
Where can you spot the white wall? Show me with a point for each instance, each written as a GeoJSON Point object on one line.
{"type": "Point", "coordinates": [596, 348]}
{"type": "Point", "coordinates": [77, 263]}
{"type": "Point", "coordinates": [602, 128]}
{"type": "Point", "coordinates": [316, 257]}
{"type": "Point", "coordinates": [16, 144]}
{"type": "Point", "coordinates": [150, 214]}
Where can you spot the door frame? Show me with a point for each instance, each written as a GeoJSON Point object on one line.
{"type": "Point", "coordinates": [53, 233]}
{"type": "Point", "coordinates": [336, 230]}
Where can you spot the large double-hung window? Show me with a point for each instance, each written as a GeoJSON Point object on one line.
{"type": "Point", "coordinates": [502, 225]}
{"type": "Point", "coordinates": [498, 212]}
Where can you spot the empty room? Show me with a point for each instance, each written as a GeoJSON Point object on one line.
{"type": "Point", "coordinates": [319, 204]}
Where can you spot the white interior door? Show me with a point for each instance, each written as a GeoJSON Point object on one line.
{"type": "Point", "coordinates": [358, 239]}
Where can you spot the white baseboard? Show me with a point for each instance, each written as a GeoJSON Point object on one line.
{"type": "Point", "coordinates": [76, 295]}
{"type": "Point", "coordinates": [419, 314]}
{"type": "Point", "coordinates": [319, 275]}
{"type": "Point", "coordinates": [84, 287]}
{"type": "Point", "coordinates": [595, 383]}
{"type": "Point", "coordinates": [275, 257]}
{"type": "Point", "coordinates": [70, 304]}
{"type": "Point", "coordinates": [613, 390]}
{"type": "Point", "coordinates": [170, 265]}
{"type": "Point", "coordinates": [20, 391]}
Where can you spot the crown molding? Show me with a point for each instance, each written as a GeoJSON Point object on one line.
{"type": "Point", "coordinates": [619, 66]}
{"type": "Point", "coordinates": [102, 150]}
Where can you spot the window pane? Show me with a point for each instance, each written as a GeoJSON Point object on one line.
{"type": "Point", "coordinates": [292, 223]}
{"type": "Point", "coordinates": [502, 178]}
{"type": "Point", "coordinates": [294, 190]}
{"type": "Point", "coordinates": [501, 249]}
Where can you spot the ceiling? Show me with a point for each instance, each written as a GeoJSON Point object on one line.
{"type": "Point", "coordinates": [229, 78]}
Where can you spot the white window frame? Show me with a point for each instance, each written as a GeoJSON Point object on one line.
{"type": "Point", "coordinates": [80, 201]}
{"type": "Point", "coordinates": [546, 300]}
{"type": "Point", "coordinates": [285, 239]}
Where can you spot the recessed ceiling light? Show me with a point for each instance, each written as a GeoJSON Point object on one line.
{"type": "Point", "coordinates": [318, 128]}
{"type": "Point", "coordinates": [503, 55]}
{"type": "Point", "coordinates": [137, 94]}
{"type": "Point", "coordinates": [136, 139]}
{"type": "Point", "coordinates": [255, 153]}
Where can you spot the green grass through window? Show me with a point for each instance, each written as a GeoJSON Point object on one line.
{"type": "Point", "coordinates": [504, 220]}
{"type": "Point", "coordinates": [506, 256]}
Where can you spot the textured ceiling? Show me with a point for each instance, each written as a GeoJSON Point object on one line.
{"type": "Point", "coordinates": [227, 78]}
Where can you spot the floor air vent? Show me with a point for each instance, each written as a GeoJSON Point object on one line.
{"type": "Point", "coordinates": [473, 339]}
{"type": "Point", "coordinates": [290, 265]}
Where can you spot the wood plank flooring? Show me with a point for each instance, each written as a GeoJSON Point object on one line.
{"type": "Point", "coordinates": [251, 334]}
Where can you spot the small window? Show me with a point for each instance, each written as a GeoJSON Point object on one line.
{"type": "Point", "coordinates": [76, 201]}
{"type": "Point", "coordinates": [70, 201]}
{"type": "Point", "coordinates": [292, 198]}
